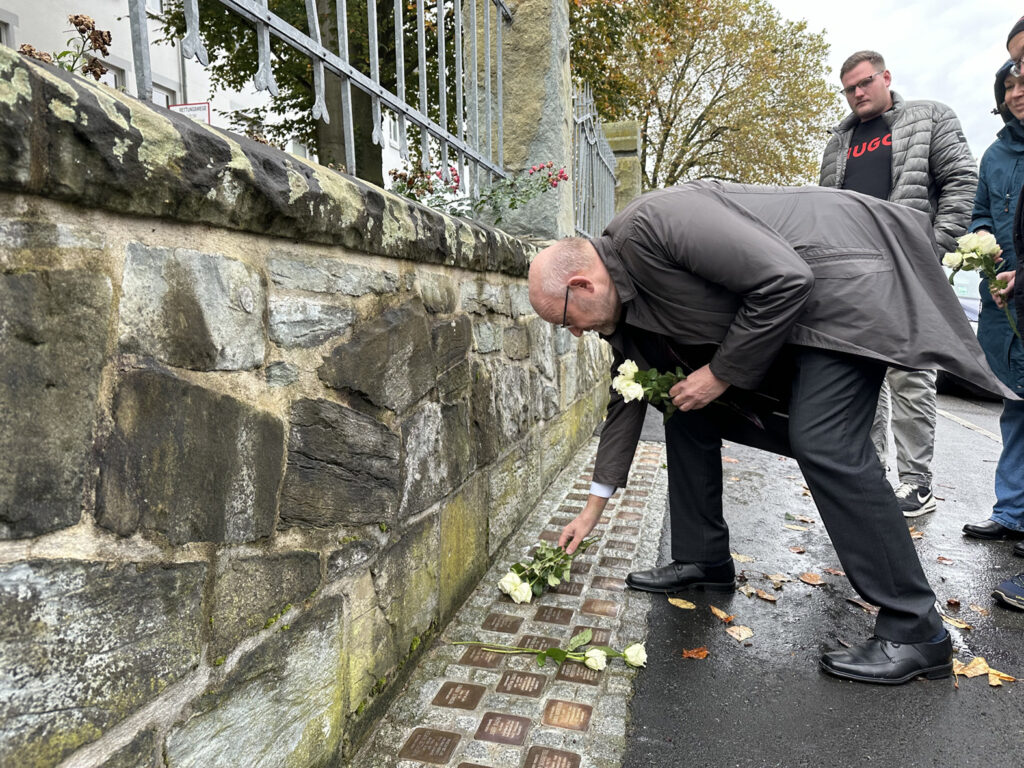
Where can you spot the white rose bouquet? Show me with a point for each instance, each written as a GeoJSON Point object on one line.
{"type": "Point", "coordinates": [596, 657]}
{"type": "Point", "coordinates": [549, 567]}
{"type": "Point", "coordinates": [978, 251]}
{"type": "Point", "coordinates": [634, 384]}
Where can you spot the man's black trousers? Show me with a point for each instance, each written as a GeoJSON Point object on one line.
{"type": "Point", "coordinates": [832, 404]}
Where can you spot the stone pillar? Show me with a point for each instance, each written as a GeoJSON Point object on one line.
{"type": "Point", "coordinates": [624, 139]}
{"type": "Point", "coordinates": [537, 109]}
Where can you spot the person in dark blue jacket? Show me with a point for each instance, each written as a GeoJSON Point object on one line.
{"type": "Point", "coordinates": [999, 187]}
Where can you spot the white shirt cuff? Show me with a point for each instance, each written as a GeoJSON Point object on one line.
{"type": "Point", "coordinates": [602, 490]}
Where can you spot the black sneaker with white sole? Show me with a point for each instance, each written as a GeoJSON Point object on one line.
{"type": "Point", "coordinates": [915, 500]}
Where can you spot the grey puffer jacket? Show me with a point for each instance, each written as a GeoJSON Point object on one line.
{"type": "Point", "coordinates": [932, 166]}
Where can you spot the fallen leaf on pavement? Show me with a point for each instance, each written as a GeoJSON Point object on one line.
{"type": "Point", "coordinates": [740, 633]}
{"type": "Point", "coordinates": [678, 602]}
{"type": "Point", "coordinates": [741, 558]}
{"type": "Point", "coordinates": [798, 550]}
{"type": "Point", "coordinates": [696, 653]}
{"type": "Point", "coordinates": [953, 603]}
{"type": "Point", "coordinates": [777, 579]}
{"type": "Point", "coordinates": [996, 678]}
{"type": "Point", "coordinates": [806, 491]}
{"type": "Point", "coordinates": [795, 527]}
{"type": "Point", "coordinates": [730, 460]}
{"type": "Point", "coordinates": [800, 518]}
{"type": "Point", "coordinates": [978, 666]}
{"type": "Point", "coordinates": [914, 533]}
{"type": "Point", "coordinates": [746, 589]}
{"type": "Point", "coordinates": [734, 479]}
{"type": "Point", "coordinates": [834, 571]}
{"type": "Point", "coordinates": [765, 596]}
{"type": "Point", "coordinates": [945, 560]}
{"type": "Point", "coordinates": [955, 622]}
{"type": "Point", "coordinates": [812, 578]}
{"type": "Point", "coordinates": [979, 609]}
{"type": "Point", "coordinates": [872, 609]}
{"type": "Point", "coordinates": [722, 614]}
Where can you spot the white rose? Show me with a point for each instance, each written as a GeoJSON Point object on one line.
{"type": "Point", "coordinates": [628, 369]}
{"type": "Point", "coordinates": [632, 391]}
{"type": "Point", "coordinates": [987, 245]}
{"type": "Point", "coordinates": [596, 659]}
{"type": "Point", "coordinates": [522, 594]}
{"type": "Point", "coordinates": [952, 260]}
{"type": "Point", "coordinates": [635, 655]}
{"type": "Point", "coordinates": [619, 382]}
{"type": "Point", "coordinates": [968, 242]}
{"type": "Point", "coordinates": [509, 582]}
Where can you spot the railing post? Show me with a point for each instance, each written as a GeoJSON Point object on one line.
{"type": "Point", "coordinates": [624, 139]}
{"type": "Point", "coordinates": [537, 100]}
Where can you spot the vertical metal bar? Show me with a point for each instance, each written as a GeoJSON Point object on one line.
{"type": "Point", "coordinates": [264, 79]}
{"type": "Point", "coordinates": [499, 23]}
{"type": "Point", "coordinates": [475, 95]}
{"type": "Point", "coordinates": [191, 44]}
{"type": "Point", "coordinates": [400, 75]}
{"type": "Point", "coordinates": [319, 106]}
{"type": "Point", "coordinates": [487, 81]}
{"type": "Point", "coordinates": [140, 49]}
{"type": "Point", "coordinates": [371, 25]}
{"type": "Point", "coordinates": [421, 45]}
{"type": "Point", "coordinates": [442, 92]}
{"type": "Point", "coordinates": [457, 21]}
{"type": "Point", "coordinates": [341, 8]}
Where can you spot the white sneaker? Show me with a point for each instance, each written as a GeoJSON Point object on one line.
{"type": "Point", "coordinates": [914, 500]}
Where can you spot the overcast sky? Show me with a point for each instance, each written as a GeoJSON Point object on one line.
{"type": "Point", "coordinates": [944, 50]}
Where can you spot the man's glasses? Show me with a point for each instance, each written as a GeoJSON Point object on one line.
{"type": "Point", "coordinates": [1018, 67]}
{"type": "Point", "coordinates": [848, 90]}
{"type": "Point", "coordinates": [565, 309]}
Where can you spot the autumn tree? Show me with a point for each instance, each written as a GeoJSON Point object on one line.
{"type": "Point", "coordinates": [723, 89]}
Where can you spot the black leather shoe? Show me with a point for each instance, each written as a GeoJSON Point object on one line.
{"type": "Point", "coordinates": [991, 530]}
{"type": "Point", "coordinates": [677, 576]}
{"type": "Point", "coordinates": [889, 663]}
{"type": "Point", "coordinates": [1018, 549]}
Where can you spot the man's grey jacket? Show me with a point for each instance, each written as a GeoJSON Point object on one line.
{"type": "Point", "coordinates": [751, 268]}
{"type": "Point", "coordinates": [933, 170]}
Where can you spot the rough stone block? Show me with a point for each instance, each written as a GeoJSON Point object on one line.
{"type": "Point", "coordinates": [329, 276]}
{"type": "Point", "coordinates": [480, 297]}
{"type": "Point", "coordinates": [487, 337]}
{"type": "Point", "coordinates": [281, 374]}
{"type": "Point", "coordinates": [370, 649]}
{"type": "Point", "coordinates": [502, 407]}
{"type": "Point", "coordinates": [406, 581]}
{"type": "Point", "coordinates": [517, 342]}
{"type": "Point", "coordinates": [297, 321]}
{"type": "Point", "coordinates": [438, 293]}
{"type": "Point", "coordinates": [352, 554]}
{"type": "Point", "coordinates": [514, 485]}
{"type": "Point", "coordinates": [192, 310]}
{"type": "Point", "coordinates": [452, 341]}
{"type": "Point", "coordinates": [86, 645]}
{"type": "Point", "coordinates": [248, 591]}
{"type": "Point", "coordinates": [542, 355]}
{"type": "Point", "coordinates": [463, 544]}
{"type": "Point", "coordinates": [519, 300]}
{"type": "Point", "coordinates": [53, 336]}
{"type": "Point", "coordinates": [343, 467]}
{"type": "Point", "coordinates": [438, 454]}
{"type": "Point", "coordinates": [189, 463]}
{"type": "Point", "coordinates": [388, 360]}
{"type": "Point", "coordinates": [282, 705]}
{"type": "Point", "coordinates": [144, 751]}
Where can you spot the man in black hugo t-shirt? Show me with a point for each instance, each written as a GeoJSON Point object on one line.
{"type": "Point", "coordinates": [913, 153]}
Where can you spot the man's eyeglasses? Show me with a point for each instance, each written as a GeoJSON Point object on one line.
{"type": "Point", "coordinates": [1018, 67]}
{"type": "Point", "coordinates": [848, 90]}
{"type": "Point", "coordinates": [565, 309]}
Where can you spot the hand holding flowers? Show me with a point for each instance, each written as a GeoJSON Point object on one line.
{"type": "Point", "coordinates": [634, 384]}
{"type": "Point", "coordinates": [979, 251]}
{"type": "Point", "coordinates": [549, 567]}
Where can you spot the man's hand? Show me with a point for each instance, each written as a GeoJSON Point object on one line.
{"type": "Point", "coordinates": [697, 390]}
{"type": "Point", "coordinates": [1001, 295]}
{"type": "Point", "coordinates": [576, 531]}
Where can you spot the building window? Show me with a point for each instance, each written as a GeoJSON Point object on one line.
{"type": "Point", "coordinates": [156, 6]}
{"type": "Point", "coordinates": [5, 34]}
{"type": "Point", "coordinates": [114, 77]}
{"type": "Point", "coordinates": [393, 137]}
{"type": "Point", "coordinates": [163, 97]}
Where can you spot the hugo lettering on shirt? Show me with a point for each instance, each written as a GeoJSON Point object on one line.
{"type": "Point", "coordinates": [869, 159]}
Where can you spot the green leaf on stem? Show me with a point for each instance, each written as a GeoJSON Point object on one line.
{"type": "Point", "coordinates": [581, 638]}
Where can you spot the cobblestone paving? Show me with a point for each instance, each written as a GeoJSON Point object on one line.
{"type": "Point", "coordinates": [468, 708]}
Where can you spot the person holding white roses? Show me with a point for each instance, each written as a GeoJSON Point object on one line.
{"type": "Point", "coordinates": [789, 303]}
{"type": "Point", "coordinates": [1002, 176]}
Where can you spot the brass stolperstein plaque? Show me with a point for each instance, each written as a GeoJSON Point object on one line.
{"type": "Point", "coordinates": [504, 729]}
{"type": "Point", "coordinates": [540, 642]}
{"type": "Point", "coordinates": [522, 683]}
{"type": "Point", "coordinates": [551, 615]}
{"type": "Point", "coordinates": [546, 757]}
{"type": "Point", "coordinates": [629, 516]}
{"type": "Point", "coordinates": [550, 535]}
{"type": "Point", "coordinates": [621, 546]}
{"type": "Point", "coordinates": [609, 583]}
{"type": "Point", "coordinates": [579, 566]}
{"type": "Point", "coordinates": [625, 530]}
{"type": "Point", "coordinates": [476, 656]}
{"type": "Point", "coordinates": [502, 622]}
{"type": "Point", "coordinates": [459, 695]}
{"type": "Point", "coordinates": [598, 636]}
{"type": "Point", "coordinates": [600, 607]}
{"type": "Point", "coordinates": [614, 562]}
{"type": "Point", "coordinates": [575, 672]}
{"type": "Point", "coordinates": [567, 714]}
{"type": "Point", "coordinates": [572, 588]}
{"type": "Point", "coordinates": [430, 746]}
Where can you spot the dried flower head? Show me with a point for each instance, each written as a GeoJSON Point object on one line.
{"type": "Point", "coordinates": [84, 24]}
{"type": "Point", "coordinates": [33, 53]}
{"type": "Point", "coordinates": [94, 67]}
{"type": "Point", "coordinates": [99, 39]}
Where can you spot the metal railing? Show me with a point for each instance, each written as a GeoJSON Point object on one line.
{"type": "Point", "coordinates": [460, 133]}
{"type": "Point", "coordinates": [594, 166]}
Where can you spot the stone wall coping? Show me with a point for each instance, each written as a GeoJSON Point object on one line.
{"type": "Point", "coordinates": [64, 137]}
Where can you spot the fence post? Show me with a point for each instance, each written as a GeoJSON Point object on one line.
{"type": "Point", "coordinates": [538, 112]}
{"type": "Point", "coordinates": [624, 139]}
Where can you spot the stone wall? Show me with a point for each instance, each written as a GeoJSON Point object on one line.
{"type": "Point", "coordinates": [262, 428]}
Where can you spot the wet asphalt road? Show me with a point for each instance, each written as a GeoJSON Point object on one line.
{"type": "Point", "coordinates": [765, 703]}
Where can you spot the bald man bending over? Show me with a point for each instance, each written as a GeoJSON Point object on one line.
{"type": "Point", "coordinates": [786, 304]}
